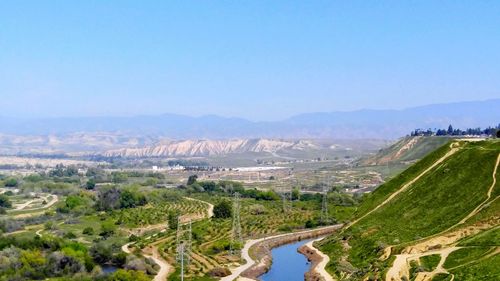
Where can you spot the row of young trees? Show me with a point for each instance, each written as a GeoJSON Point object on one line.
{"type": "Point", "coordinates": [490, 131]}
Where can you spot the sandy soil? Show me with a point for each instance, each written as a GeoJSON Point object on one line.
{"type": "Point", "coordinates": [48, 205]}
{"type": "Point", "coordinates": [319, 261]}
{"type": "Point", "coordinates": [401, 266]}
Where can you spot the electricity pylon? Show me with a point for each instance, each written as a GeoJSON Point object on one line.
{"type": "Point", "coordinates": [184, 234]}
{"type": "Point", "coordinates": [324, 204]}
{"type": "Point", "coordinates": [236, 239]}
{"type": "Point", "coordinates": [286, 197]}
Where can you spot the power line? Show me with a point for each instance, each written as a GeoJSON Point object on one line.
{"type": "Point", "coordinates": [183, 239]}
{"type": "Point", "coordinates": [236, 239]}
{"type": "Point", "coordinates": [325, 219]}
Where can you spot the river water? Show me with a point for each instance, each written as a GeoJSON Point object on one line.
{"type": "Point", "coordinates": [288, 264]}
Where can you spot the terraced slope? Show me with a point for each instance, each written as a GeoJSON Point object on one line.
{"type": "Point", "coordinates": [409, 227]}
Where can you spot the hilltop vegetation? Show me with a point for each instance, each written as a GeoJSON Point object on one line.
{"type": "Point", "coordinates": [426, 208]}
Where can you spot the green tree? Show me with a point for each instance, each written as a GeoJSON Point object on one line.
{"type": "Point", "coordinates": [108, 198]}
{"type": "Point", "coordinates": [90, 184]}
{"type": "Point", "coordinates": [173, 219]}
{"type": "Point", "coordinates": [192, 179]}
{"type": "Point", "coordinates": [131, 199]}
{"type": "Point", "coordinates": [223, 209]}
{"type": "Point", "coordinates": [118, 177]}
{"type": "Point", "coordinates": [295, 194]}
{"type": "Point", "coordinates": [11, 182]}
{"type": "Point", "coordinates": [107, 229]}
{"type": "Point", "coordinates": [5, 201]}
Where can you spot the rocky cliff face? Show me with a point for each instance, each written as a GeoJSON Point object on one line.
{"type": "Point", "coordinates": [190, 148]}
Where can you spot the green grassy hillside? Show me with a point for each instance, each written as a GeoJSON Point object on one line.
{"type": "Point", "coordinates": [449, 184]}
{"type": "Point", "coordinates": [407, 149]}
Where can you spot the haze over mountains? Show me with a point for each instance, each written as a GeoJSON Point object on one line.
{"type": "Point", "coordinates": [380, 124]}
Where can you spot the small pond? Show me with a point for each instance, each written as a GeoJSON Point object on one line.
{"type": "Point", "coordinates": [108, 268]}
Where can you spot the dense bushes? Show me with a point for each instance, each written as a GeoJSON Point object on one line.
{"type": "Point", "coordinates": [223, 209]}
{"type": "Point", "coordinates": [51, 257]}
{"type": "Point", "coordinates": [112, 198]}
{"type": "Point", "coordinates": [11, 182]}
{"type": "Point", "coordinates": [4, 201]}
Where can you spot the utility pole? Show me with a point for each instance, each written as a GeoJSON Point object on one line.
{"type": "Point", "coordinates": [324, 204]}
{"type": "Point", "coordinates": [236, 239]}
{"type": "Point", "coordinates": [299, 187]}
{"type": "Point", "coordinates": [184, 234]}
{"type": "Point", "coordinates": [285, 197]}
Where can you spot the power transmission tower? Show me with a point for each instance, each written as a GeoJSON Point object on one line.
{"type": "Point", "coordinates": [184, 234]}
{"type": "Point", "coordinates": [324, 205]}
{"type": "Point", "coordinates": [298, 186]}
{"type": "Point", "coordinates": [286, 197]}
{"type": "Point", "coordinates": [236, 239]}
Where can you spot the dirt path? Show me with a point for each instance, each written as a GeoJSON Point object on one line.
{"type": "Point", "coordinates": [21, 207]}
{"type": "Point", "coordinates": [450, 236]}
{"type": "Point", "coordinates": [452, 151]}
{"type": "Point", "coordinates": [325, 259]}
{"type": "Point", "coordinates": [210, 210]}
{"type": "Point", "coordinates": [165, 267]}
{"type": "Point", "coordinates": [152, 250]}
{"type": "Point", "coordinates": [401, 265]}
{"type": "Point", "coordinates": [24, 205]}
{"type": "Point", "coordinates": [249, 262]}
{"type": "Point", "coordinates": [490, 190]}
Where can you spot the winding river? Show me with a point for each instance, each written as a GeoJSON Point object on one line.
{"type": "Point", "coordinates": [288, 264]}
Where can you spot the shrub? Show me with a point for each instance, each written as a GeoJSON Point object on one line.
{"type": "Point", "coordinates": [90, 184]}
{"type": "Point", "coordinates": [11, 182]}
{"type": "Point", "coordinates": [223, 210]}
{"type": "Point", "coordinates": [69, 235]}
{"type": "Point", "coordinates": [219, 272]}
{"type": "Point", "coordinates": [5, 201]}
{"type": "Point", "coordinates": [257, 209]}
{"type": "Point", "coordinates": [88, 231]}
{"type": "Point", "coordinates": [107, 229]}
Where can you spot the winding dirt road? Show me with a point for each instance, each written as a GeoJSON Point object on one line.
{"type": "Point", "coordinates": [22, 206]}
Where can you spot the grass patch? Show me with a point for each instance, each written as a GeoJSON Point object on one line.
{"type": "Point", "coordinates": [441, 277]}
{"type": "Point", "coordinates": [489, 237]}
{"type": "Point", "coordinates": [435, 202]}
{"type": "Point", "coordinates": [429, 263]}
{"type": "Point", "coordinates": [465, 255]}
{"type": "Point", "coordinates": [482, 270]}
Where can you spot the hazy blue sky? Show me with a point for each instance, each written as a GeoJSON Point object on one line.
{"type": "Point", "coordinates": [261, 60]}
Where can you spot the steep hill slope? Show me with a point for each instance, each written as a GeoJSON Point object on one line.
{"type": "Point", "coordinates": [409, 227]}
{"type": "Point", "coordinates": [407, 149]}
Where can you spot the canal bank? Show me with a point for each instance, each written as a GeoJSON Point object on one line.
{"type": "Point", "coordinates": [288, 263]}
{"type": "Point", "coordinates": [257, 253]}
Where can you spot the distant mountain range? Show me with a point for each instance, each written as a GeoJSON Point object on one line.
{"type": "Point", "coordinates": [381, 124]}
